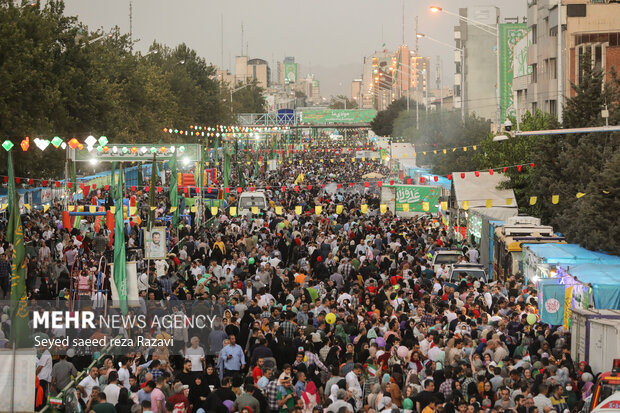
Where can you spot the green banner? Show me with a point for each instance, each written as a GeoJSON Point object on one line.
{"type": "Point", "coordinates": [415, 196]}
{"type": "Point", "coordinates": [325, 116]}
{"type": "Point", "coordinates": [509, 36]}
{"type": "Point", "coordinates": [290, 73]}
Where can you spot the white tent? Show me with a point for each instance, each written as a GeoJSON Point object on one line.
{"type": "Point", "coordinates": [477, 190]}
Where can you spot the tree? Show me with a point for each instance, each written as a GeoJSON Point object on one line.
{"type": "Point", "coordinates": [574, 163]}
{"type": "Point", "coordinates": [58, 80]}
{"type": "Point", "coordinates": [441, 130]}
{"type": "Point", "coordinates": [383, 123]}
{"type": "Point", "coordinates": [342, 102]}
{"type": "Point", "coordinates": [517, 151]}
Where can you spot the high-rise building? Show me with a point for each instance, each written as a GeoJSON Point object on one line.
{"type": "Point", "coordinates": [259, 70]}
{"type": "Point", "coordinates": [479, 71]}
{"type": "Point", "coordinates": [356, 91]}
{"type": "Point", "coordinates": [377, 81]}
{"type": "Point", "coordinates": [247, 70]}
{"type": "Point", "coordinates": [588, 27]}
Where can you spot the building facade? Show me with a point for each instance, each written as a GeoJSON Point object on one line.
{"type": "Point", "coordinates": [477, 90]}
{"type": "Point", "coordinates": [588, 27]}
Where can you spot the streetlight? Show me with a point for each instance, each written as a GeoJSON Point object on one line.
{"type": "Point", "coordinates": [236, 90]}
{"type": "Point", "coordinates": [29, 4]}
{"type": "Point", "coordinates": [462, 54]}
{"type": "Point", "coordinates": [493, 31]}
{"type": "Point", "coordinates": [103, 36]}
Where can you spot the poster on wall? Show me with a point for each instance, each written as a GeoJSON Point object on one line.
{"type": "Point", "coordinates": [155, 243]}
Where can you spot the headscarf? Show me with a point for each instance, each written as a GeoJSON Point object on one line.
{"type": "Point", "coordinates": [587, 390]}
{"type": "Point", "coordinates": [310, 391]}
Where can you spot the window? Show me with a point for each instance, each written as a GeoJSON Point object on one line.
{"type": "Point", "coordinates": [553, 69]}
{"type": "Point", "coordinates": [598, 57]}
{"type": "Point", "coordinates": [534, 107]}
{"type": "Point", "coordinates": [534, 34]}
{"type": "Point", "coordinates": [534, 73]}
{"type": "Point", "coordinates": [553, 108]}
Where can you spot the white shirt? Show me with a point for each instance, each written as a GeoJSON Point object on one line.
{"type": "Point", "coordinates": [112, 391]}
{"type": "Point", "coordinates": [143, 282]}
{"type": "Point", "coordinates": [46, 362]}
{"type": "Point", "coordinates": [472, 254]}
{"type": "Point", "coordinates": [88, 383]}
{"type": "Point", "coordinates": [161, 267]}
{"type": "Point", "coordinates": [353, 383]}
{"type": "Point", "coordinates": [195, 354]}
{"type": "Point", "coordinates": [123, 377]}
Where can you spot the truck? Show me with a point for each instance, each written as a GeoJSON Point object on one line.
{"type": "Point", "coordinates": [508, 238]}
{"type": "Point", "coordinates": [249, 200]}
{"type": "Point", "coordinates": [595, 337]}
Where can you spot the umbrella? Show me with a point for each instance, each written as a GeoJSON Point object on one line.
{"type": "Point", "coordinates": [372, 175]}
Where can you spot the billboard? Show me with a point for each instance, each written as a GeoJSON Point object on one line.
{"type": "Point", "coordinates": [509, 36]}
{"type": "Point", "coordinates": [326, 116]}
{"type": "Point", "coordinates": [290, 73]}
{"type": "Point", "coordinates": [416, 196]}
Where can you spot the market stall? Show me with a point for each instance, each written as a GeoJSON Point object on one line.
{"type": "Point", "coordinates": [541, 260]}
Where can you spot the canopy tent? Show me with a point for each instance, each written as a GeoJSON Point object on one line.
{"type": "Point", "coordinates": [538, 258]}
{"type": "Point", "coordinates": [605, 281]}
{"type": "Point", "coordinates": [477, 190]}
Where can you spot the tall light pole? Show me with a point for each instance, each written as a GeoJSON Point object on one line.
{"type": "Point", "coordinates": [234, 91]}
{"type": "Point", "coordinates": [462, 53]}
{"type": "Point", "coordinates": [493, 31]}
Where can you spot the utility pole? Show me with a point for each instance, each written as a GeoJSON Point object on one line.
{"type": "Point", "coordinates": [222, 39]}
{"type": "Point", "coordinates": [403, 22]}
{"type": "Point", "coordinates": [415, 74]}
{"type": "Point", "coordinates": [560, 66]}
{"type": "Point", "coordinates": [130, 23]}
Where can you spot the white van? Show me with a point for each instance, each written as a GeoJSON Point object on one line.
{"type": "Point", "coordinates": [248, 200]}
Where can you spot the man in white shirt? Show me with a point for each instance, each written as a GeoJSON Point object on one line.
{"type": "Point", "coordinates": [143, 282]}
{"type": "Point", "coordinates": [473, 255]}
{"type": "Point", "coordinates": [161, 267]}
{"type": "Point", "coordinates": [44, 370]}
{"type": "Point", "coordinates": [196, 354]}
{"type": "Point", "coordinates": [123, 373]}
{"type": "Point", "coordinates": [353, 384]}
{"type": "Point", "coordinates": [85, 387]}
{"type": "Point", "coordinates": [113, 389]}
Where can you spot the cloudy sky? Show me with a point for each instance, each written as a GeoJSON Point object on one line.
{"type": "Point", "coordinates": [328, 38]}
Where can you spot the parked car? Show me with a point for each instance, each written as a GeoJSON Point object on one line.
{"type": "Point", "coordinates": [447, 257]}
{"type": "Point", "coordinates": [463, 270]}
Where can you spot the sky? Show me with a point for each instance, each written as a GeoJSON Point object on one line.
{"type": "Point", "coordinates": [328, 38]}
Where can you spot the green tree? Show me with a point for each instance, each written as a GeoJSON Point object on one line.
{"type": "Point", "coordinates": [60, 79]}
{"type": "Point", "coordinates": [383, 123]}
{"type": "Point", "coordinates": [441, 130]}
{"type": "Point", "coordinates": [517, 151]}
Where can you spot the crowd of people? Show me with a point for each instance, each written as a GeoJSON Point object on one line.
{"type": "Point", "coordinates": [313, 313]}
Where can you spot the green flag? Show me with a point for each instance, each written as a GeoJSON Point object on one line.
{"type": "Point", "coordinates": [174, 190]}
{"type": "Point", "coordinates": [73, 178]}
{"type": "Point", "coordinates": [152, 193]}
{"type": "Point", "coordinates": [19, 298]}
{"type": "Point", "coordinates": [226, 168]}
{"type": "Point", "coordinates": [140, 178]}
{"type": "Point", "coordinates": [120, 270]}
